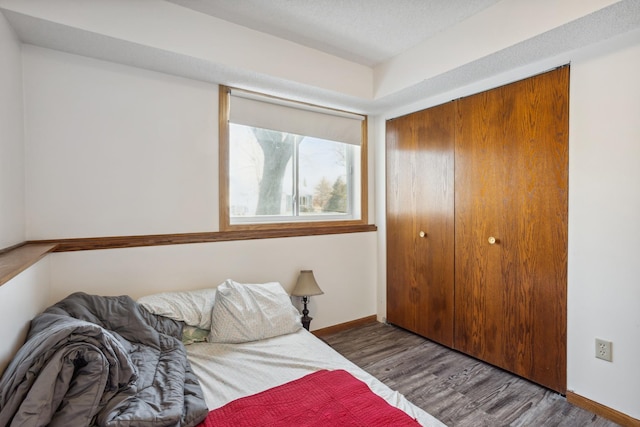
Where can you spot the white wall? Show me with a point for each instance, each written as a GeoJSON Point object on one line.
{"type": "Point", "coordinates": [347, 285]}
{"type": "Point", "coordinates": [12, 229]}
{"type": "Point", "coordinates": [116, 150]}
{"type": "Point", "coordinates": [604, 224]}
{"type": "Point", "coordinates": [27, 294]}
{"type": "Point", "coordinates": [604, 212]}
{"type": "Point", "coordinates": [21, 298]}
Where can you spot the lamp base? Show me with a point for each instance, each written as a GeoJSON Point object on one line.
{"type": "Point", "coordinates": [306, 320]}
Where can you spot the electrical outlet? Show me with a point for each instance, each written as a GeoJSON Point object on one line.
{"type": "Point", "coordinates": [603, 349]}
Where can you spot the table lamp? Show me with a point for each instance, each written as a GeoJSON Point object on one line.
{"type": "Point", "coordinates": [306, 286]}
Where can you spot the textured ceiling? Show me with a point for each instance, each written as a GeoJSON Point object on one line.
{"type": "Point", "coordinates": [363, 31]}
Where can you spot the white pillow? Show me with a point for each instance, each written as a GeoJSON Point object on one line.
{"type": "Point", "coordinates": [190, 307]}
{"type": "Point", "coordinates": [250, 312]}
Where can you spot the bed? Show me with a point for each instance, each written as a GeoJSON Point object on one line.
{"type": "Point", "coordinates": [232, 355]}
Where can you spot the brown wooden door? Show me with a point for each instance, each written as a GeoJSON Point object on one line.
{"type": "Point", "coordinates": [420, 198]}
{"type": "Point", "coordinates": [511, 184]}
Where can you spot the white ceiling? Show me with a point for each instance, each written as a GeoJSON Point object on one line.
{"type": "Point", "coordinates": [364, 31]}
{"type": "Point", "coordinates": [378, 36]}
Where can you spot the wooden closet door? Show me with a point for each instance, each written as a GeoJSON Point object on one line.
{"type": "Point", "coordinates": [420, 198]}
{"type": "Point", "coordinates": [511, 184]}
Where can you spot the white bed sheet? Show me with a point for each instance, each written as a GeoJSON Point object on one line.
{"type": "Point", "coordinates": [230, 371]}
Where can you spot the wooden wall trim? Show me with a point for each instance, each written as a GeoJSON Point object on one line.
{"type": "Point", "coordinates": [11, 248]}
{"type": "Point", "coordinates": [223, 156]}
{"type": "Point", "coordinates": [364, 172]}
{"type": "Point", "coordinates": [602, 410]}
{"type": "Point", "coordinates": [344, 326]}
{"type": "Point", "coordinates": [18, 258]}
{"type": "Point", "coordinates": [116, 242]}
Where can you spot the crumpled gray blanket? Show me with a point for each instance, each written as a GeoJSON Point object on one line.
{"type": "Point", "coordinates": [105, 361]}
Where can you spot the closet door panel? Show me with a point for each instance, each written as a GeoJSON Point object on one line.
{"type": "Point", "coordinates": [539, 214]}
{"type": "Point", "coordinates": [479, 180]}
{"type": "Point", "coordinates": [420, 233]}
{"type": "Point", "coordinates": [511, 184]}
{"type": "Point", "coordinates": [403, 270]}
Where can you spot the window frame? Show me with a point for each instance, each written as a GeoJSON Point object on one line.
{"type": "Point", "coordinates": [223, 177]}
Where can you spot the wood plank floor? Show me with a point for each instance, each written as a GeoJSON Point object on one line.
{"type": "Point", "coordinates": [457, 389]}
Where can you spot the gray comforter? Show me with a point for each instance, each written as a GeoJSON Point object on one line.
{"type": "Point", "coordinates": [106, 361]}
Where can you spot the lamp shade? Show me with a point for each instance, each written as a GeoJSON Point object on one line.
{"type": "Point", "coordinates": [306, 285]}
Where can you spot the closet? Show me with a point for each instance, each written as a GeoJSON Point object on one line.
{"type": "Point", "coordinates": [477, 225]}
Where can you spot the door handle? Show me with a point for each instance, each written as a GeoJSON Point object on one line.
{"type": "Point", "coordinates": [422, 234]}
{"type": "Point", "coordinates": [492, 240]}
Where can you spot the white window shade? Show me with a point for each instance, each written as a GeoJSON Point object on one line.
{"type": "Point", "coordinates": [297, 118]}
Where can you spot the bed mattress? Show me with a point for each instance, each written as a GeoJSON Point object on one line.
{"type": "Point", "coordinates": [230, 371]}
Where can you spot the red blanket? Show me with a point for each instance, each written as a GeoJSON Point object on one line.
{"type": "Point", "coordinates": [323, 398]}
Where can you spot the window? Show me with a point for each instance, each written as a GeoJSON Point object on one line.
{"type": "Point", "coordinates": [288, 164]}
